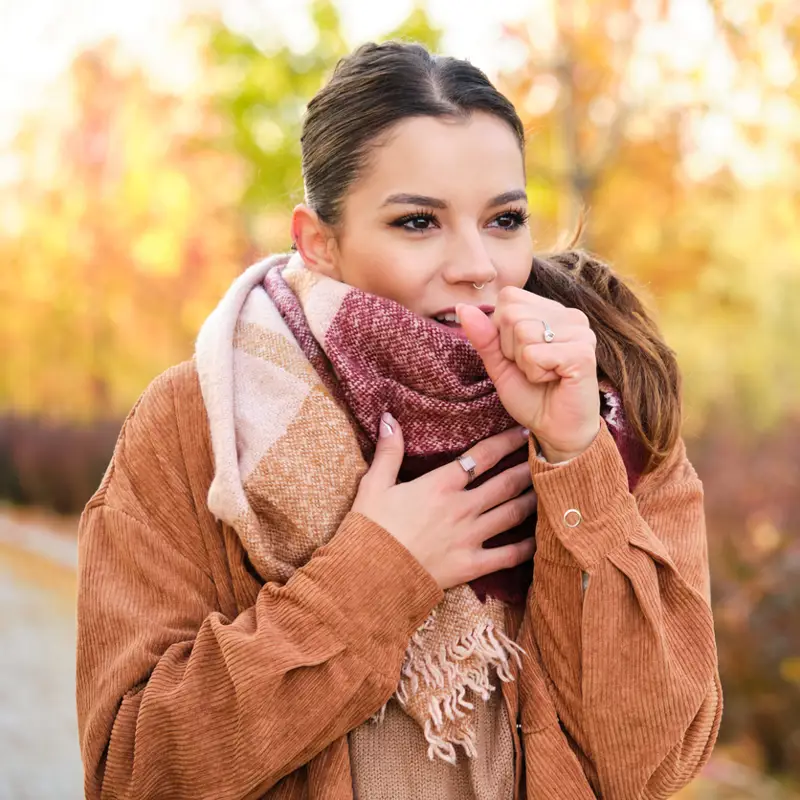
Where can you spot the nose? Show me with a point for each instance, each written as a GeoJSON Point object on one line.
{"type": "Point", "coordinates": [469, 261]}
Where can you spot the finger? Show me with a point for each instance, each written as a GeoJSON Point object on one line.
{"type": "Point", "coordinates": [570, 361]}
{"type": "Point", "coordinates": [506, 516]}
{"type": "Point", "coordinates": [508, 484]}
{"type": "Point", "coordinates": [517, 305]}
{"type": "Point", "coordinates": [527, 332]}
{"type": "Point", "coordinates": [531, 331]}
{"type": "Point", "coordinates": [492, 559]}
{"type": "Point", "coordinates": [485, 338]}
{"type": "Point", "coordinates": [389, 452]}
{"type": "Point", "coordinates": [505, 319]}
{"type": "Point", "coordinates": [552, 310]}
{"type": "Point", "coordinates": [485, 454]}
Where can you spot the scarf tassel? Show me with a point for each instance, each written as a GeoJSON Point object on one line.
{"type": "Point", "coordinates": [485, 648]}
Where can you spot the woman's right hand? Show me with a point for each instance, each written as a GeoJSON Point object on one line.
{"type": "Point", "coordinates": [443, 526]}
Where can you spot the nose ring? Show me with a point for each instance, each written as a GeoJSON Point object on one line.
{"type": "Point", "coordinates": [479, 285]}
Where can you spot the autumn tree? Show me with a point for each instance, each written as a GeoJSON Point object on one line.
{"type": "Point", "coordinates": [127, 232]}
{"type": "Point", "coordinates": [622, 118]}
{"type": "Point", "coordinates": [135, 208]}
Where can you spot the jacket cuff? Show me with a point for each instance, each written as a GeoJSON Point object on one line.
{"type": "Point", "coordinates": [372, 592]}
{"type": "Point", "coordinates": [590, 493]}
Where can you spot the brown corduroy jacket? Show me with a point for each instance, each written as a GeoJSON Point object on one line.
{"type": "Point", "coordinates": [195, 680]}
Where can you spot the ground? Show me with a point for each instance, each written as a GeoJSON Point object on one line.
{"type": "Point", "coordinates": [39, 756]}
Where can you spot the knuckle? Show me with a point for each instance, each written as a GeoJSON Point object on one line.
{"type": "Point", "coordinates": [508, 293]}
{"type": "Point", "coordinates": [578, 317]}
{"type": "Point", "coordinates": [588, 352]}
{"type": "Point", "coordinates": [439, 494]}
{"type": "Point", "coordinates": [509, 486]}
{"type": "Point", "coordinates": [498, 445]}
{"type": "Point", "coordinates": [513, 317]}
{"type": "Point", "coordinates": [525, 331]}
{"type": "Point", "coordinates": [523, 551]}
{"type": "Point", "coordinates": [515, 514]}
{"type": "Point", "coordinates": [480, 452]}
{"type": "Point", "coordinates": [528, 355]}
{"type": "Point", "coordinates": [510, 558]}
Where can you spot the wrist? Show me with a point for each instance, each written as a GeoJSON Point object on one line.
{"type": "Point", "coordinates": [557, 454]}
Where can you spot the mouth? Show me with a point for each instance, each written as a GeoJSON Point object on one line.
{"type": "Point", "coordinates": [449, 318]}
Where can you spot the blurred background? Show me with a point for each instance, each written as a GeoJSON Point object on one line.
{"type": "Point", "coordinates": [150, 151]}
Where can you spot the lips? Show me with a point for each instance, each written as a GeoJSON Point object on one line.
{"type": "Point", "coordinates": [448, 320]}
{"type": "Point", "coordinates": [447, 316]}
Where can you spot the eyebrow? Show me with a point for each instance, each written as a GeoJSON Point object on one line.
{"type": "Point", "coordinates": [434, 202]}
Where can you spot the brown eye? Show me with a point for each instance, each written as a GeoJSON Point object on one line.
{"type": "Point", "coordinates": [511, 220]}
{"type": "Point", "coordinates": [420, 221]}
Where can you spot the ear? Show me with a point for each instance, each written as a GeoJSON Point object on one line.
{"type": "Point", "coordinates": [314, 241]}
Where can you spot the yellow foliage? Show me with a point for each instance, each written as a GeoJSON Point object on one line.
{"type": "Point", "coordinates": [128, 224]}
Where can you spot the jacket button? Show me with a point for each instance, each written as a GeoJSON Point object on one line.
{"type": "Point", "coordinates": [572, 518]}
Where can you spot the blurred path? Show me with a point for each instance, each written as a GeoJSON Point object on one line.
{"type": "Point", "coordinates": [39, 757]}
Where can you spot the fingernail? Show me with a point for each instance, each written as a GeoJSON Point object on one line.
{"type": "Point", "coordinates": [526, 432]}
{"type": "Point", "coordinates": [387, 425]}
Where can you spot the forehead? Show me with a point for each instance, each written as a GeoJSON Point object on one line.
{"type": "Point", "coordinates": [445, 157]}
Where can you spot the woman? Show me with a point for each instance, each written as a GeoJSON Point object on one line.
{"type": "Point", "coordinates": [284, 588]}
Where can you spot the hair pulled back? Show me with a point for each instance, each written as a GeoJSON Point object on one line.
{"type": "Point", "coordinates": [379, 85]}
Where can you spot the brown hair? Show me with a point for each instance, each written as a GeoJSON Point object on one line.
{"type": "Point", "coordinates": [631, 353]}
{"type": "Point", "coordinates": [370, 91]}
{"type": "Point", "coordinates": [379, 85]}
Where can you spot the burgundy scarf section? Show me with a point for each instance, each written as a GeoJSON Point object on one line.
{"type": "Point", "coordinates": [378, 356]}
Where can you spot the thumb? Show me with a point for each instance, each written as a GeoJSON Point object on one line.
{"type": "Point", "coordinates": [485, 338]}
{"type": "Point", "coordinates": [389, 452]}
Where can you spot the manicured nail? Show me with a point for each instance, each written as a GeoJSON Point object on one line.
{"type": "Point", "coordinates": [526, 432]}
{"type": "Point", "coordinates": [387, 425]}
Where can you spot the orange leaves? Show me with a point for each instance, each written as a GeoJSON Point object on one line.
{"type": "Point", "coordinates": [118, 235]}
{"type": "Point", "coordinates": [679, 136]}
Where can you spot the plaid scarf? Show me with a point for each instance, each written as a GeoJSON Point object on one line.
{"type": "Point", "coordinates": [295, 371]}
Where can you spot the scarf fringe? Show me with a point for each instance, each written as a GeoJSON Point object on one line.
{"type": "Point", "coordinates": [438, 747]}
{"type": "Point", "coordinates": [486, 648]}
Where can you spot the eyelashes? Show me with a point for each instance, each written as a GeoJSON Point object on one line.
{"type": "Point", "coordinates": [517, 217]}
{"type": "Point", "coordinates": [421, 215]}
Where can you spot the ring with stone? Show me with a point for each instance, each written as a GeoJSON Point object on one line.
{"type": "Point", "coordinates": [468, 465]}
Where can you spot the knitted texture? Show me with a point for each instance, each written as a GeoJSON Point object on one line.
{"type": "Point", "coordinates": [296, 370]}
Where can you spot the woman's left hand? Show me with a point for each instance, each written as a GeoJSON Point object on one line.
{"type": "Point", "coordinates": [549, 387]}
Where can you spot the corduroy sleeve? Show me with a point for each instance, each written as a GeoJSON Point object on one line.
{"type": "Point", "coordinates": [631, 659]}
{"type": "Point", "coordinates": [176, 699]}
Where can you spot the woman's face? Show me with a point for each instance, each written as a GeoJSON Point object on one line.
{"type": "Point", "coordinates": [439, 208]}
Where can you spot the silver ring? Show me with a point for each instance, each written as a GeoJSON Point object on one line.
{"type": "Point", "coordinates": [572, 522]}
{"type": "Point", "coordinates": [479, 285]}
{"type": "Point", "coordinates": [548, 333]}
{"type": "Point", "coordinates": [468, 465]}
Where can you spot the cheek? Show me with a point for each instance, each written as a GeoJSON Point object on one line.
{"type": "Point", "coordinates": [514, 265]}
{"type": "Point", "coordinates": [401, 279]}
{"type": "Point", "coordinates": [383, 266]}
